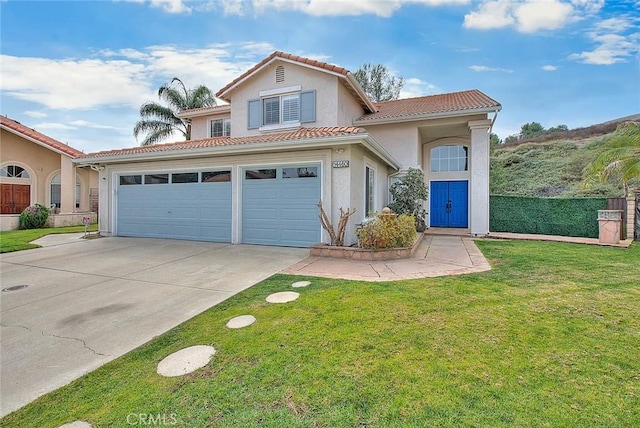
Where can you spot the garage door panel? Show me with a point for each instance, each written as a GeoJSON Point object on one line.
{"type": "Point", "coordinates": [194, 211]}
{"type": "Point", "coordinates": [281, 211]}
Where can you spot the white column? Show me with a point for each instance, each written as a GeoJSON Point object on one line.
{"type": "Point", "coordinates": [67, 185]}
{"type": "Point", "coordinates": [479, 177]}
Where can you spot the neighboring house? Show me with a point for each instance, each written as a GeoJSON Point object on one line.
{"type": "Point", "coordinates": [297, 131]}
{"type": "Point", "coordinates": [35, 168]}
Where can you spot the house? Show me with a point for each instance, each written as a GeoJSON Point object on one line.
{"type": "Point", "coordinates": [297, 131]}
{"type": "Point", "coordinates": [37, 169]}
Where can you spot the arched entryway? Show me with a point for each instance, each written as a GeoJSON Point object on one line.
{"type": "Point", "coordinates": [15, 189]}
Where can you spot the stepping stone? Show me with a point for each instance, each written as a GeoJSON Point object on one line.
{"type": "Point", "coordinates": [241, 321]}
{"type": "Point", "coordinates": [282, 297]}
{"type": "Point", "coordinates": [301, 284]}
{"type": "Point", "coordinates": [186, 360]}
{"type": "Point", "coordinates": [76, 424]}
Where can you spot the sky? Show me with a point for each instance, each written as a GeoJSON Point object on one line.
{"type": "Point", "coordinates": [78, 71]}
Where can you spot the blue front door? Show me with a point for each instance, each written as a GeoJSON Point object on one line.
{"type": "Point", "coordinates": [449, 203]}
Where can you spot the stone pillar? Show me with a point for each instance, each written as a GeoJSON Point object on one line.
{"type": "Point", "coordinates": [67, 185]}
{"type": "Point", "coordinates": [479, 177]}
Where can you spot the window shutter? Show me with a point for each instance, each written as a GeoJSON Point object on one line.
{"type": "Point", "coordinates": [308, 106]}
{"type": "Point", "coordinates": [255, 114]}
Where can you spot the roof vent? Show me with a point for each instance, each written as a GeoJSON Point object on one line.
{"type": "Point", "coordinates": [279, 74]}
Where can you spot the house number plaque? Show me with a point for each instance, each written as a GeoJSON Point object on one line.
{"type": "Point", "coordinates": [341, 164]}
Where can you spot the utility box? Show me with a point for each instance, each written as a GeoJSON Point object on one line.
{"type": "Point", "coordinates": [610, 225]}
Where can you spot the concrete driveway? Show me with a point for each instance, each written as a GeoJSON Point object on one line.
{"type": "Point", "coordinates": [91, 301]}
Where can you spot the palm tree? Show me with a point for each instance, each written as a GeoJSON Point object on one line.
{"type": "Point", "coordinates": [619, 158]}
{"type": "Point", "coordinates": [159, 122]}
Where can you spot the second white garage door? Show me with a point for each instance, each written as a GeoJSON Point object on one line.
{"type": "Point", "coordinates": [280, 205]}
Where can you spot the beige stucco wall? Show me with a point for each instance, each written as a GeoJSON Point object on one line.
{"type": "Point", "coordinates": [200, 125]}
{"type": "Point", "coordinates": [348, 108]}
{"type": "Point", "coordinates": [325, 85]}
{"type": "Point", "coordinates": [43, 164]}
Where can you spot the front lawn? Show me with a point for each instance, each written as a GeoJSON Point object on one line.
{"type": "Point", "coordinates": [18, 240]}
{"type": "Point", "coordinates": [549, 337]}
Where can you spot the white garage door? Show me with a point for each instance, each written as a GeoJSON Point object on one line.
{"type": "Point", "coordinates": [280, 205]}
{"type": "Point", "coordinates": [180, 205]}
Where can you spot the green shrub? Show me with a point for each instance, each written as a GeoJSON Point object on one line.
{"type": "Point", "coordinates": [546, 216]}
{"type": "Point", "coordinates": [34, 217]}
{"type": "Point", "coordinates": [408, 196]}
{"type": "Point", "coordinates": [387, 232]}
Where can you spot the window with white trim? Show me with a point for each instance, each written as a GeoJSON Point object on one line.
{"type": "Point", "coordinates": [369, 190]}
{"type": "Point", "coordinates": [13, 171]}
{"type": "Point", "coordinates": [280, 110]}
{"type": "Point", "coordinates": [220, 128]}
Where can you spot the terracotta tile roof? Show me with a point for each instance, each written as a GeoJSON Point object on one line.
{"type": "Point", "coordinates": [38, 136]}
{"type": "Point", "coordinates": [431, 104]}
{"type": "Point", "coordinates": [299, 134]}
{"type": "Point", "coordinates": [212, 110]}
{"type": "Point", "coordinates": [287, 56]}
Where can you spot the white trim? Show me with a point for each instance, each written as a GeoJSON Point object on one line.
{"type": "Point", "coordinates": [305, 144]}
{"type": "Point", "coordinates": [280, 126]}
{"type": "Point", "coordinates": [416, 117]}
{"type": "Point", "coordinates": [280, 91]}
{"type": "Point", "coordinates": [368, 163]}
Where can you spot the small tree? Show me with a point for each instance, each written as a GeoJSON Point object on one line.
{"type": "Point", "coordinates": [378, 83]}
{"type": "Point", "coordinates": [409, 195]}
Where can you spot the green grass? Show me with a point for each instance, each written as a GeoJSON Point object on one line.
{"type": "Point", "coordinates": [18, 240]}
{"type": "Point", "coordinates": [549, 337]}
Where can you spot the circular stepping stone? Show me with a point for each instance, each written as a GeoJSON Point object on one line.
{"type": "Point", "coordinates": [301, 284]}
{"type": "Point", "coordinates": [282, 297]}
{"type": "Point", "coordinates": [76, 424]}
{"type": "Point", "coordinates": [186, 360]}
{"type": "Point", "coordinates": [241, 321]}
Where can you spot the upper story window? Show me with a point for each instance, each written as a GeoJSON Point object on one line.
{"type": "Point", "coordinates": [220, 128]}
{"type": "Point", "coordinates": [13, 171]}
{"type": "Point", "coordinates": [282, 108]}
{"type": "Point", "coordinates": [449, 159]}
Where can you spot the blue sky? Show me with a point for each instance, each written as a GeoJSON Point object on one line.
{"type": "Point", "coordinates": [79, 70]}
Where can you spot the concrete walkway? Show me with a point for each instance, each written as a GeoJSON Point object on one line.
{"type": "Point", "coordinates": [435, 256]}
{"type": "Point", "coordinates": [87, 302]}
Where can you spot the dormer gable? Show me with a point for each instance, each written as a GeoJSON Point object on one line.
{"type": "Point", "coordinates": [345, 77]}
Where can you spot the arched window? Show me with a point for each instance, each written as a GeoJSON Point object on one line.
{"type": "Point", "coordinates": [449, 159]}
{"type": "Point", "coordinates": [13, 171]}
{"type": "Point", "coordinates": [56, 191]}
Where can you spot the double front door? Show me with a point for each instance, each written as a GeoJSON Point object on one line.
{"type": "Point", "coordinates": [449, 204]}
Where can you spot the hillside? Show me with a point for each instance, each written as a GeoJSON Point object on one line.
{"type": "Point", "coordinates": [552, 165]}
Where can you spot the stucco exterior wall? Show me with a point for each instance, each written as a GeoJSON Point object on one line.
{"type": "Point", "coordinates": [200, 125]}
{"type": "Point", "coordinates": [43, 164]}
{"type": "Point", "coordinates": [348, 108]}
{"type": "Point", "coordinates": [325, 85]}
{"type": "Point", "coordinates": [401, 140]}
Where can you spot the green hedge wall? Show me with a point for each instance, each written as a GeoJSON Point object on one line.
{"type": "Point", "coordinates": [546, 216]}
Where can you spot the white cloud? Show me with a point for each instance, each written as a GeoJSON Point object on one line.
{"type": "Point", "coordinates": [36, 114]}
{"type": "Point", "coordinates": [414, 87]}
{"type": "Point", "coordinates": [126, 77]}
{"type": "Point", "coordinates": [54, 126]}
{"type": "Point", "coordinates": [383, 8]}
{"type": "Point", "coordinates": [483, 68]}
{"type": "Point", "coordinates": [529, 16]}
{"type": "Point", "coordinates": [87, 124]}
{"type": "Point", "coordinates": [73, 83]}
{"type": "Point", "coordinates": [549, 67]}
{"type": "Point", "coordinates": [612, 45]}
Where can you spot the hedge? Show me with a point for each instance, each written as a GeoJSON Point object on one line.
{"type": "Point", "coordinates": [546, 216]}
